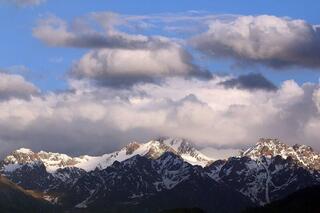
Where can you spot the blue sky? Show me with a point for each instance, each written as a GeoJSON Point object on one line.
{"type": "Point", "coordinates": [47, 66]}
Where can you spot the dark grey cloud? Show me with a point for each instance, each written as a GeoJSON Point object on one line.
{"type": "Point", "coordinates": [251, 81]}
{"type": "Point", "coordinates": [269, 40]}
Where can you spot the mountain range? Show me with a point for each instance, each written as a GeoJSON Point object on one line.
{"type": "Point", "coordinates": [166, 173]}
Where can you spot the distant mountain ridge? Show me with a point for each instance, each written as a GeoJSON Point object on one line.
{"type": "Point", "coordinates": [142, 177]}
{"type": "Point", "coordinates": [148, 185]}
{"type": "Point", "coordinates": [152, 149]}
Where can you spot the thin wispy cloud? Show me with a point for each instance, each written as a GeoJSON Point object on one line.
{"type": "Point", "coordinates": [23, 3]}
{"type": "Point", "coordinates": [56, 32]}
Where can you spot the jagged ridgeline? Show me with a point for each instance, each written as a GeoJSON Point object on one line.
{"type": "Point", "coordinates": [165, 174]}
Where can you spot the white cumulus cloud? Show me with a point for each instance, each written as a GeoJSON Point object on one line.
{"type": "Point", "coordinates": [124, 67]}
{"type": "Point", "coordinates": [273, 41]}
{"type": "Point", "coordinates": [15, 86]}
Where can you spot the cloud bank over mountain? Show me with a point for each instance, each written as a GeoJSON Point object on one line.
{"type": "Point", "coordinates": [104, 118]}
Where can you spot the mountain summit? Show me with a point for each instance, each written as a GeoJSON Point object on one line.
{"type": "Point", "coordinates": [301, 154]}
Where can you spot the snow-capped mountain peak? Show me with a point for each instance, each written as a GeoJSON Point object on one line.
{"type": "Point", "coordinates": [131, 147]}
{"type": "Point", "coordinates": [24, 151]}
{"type": "Point", "coordinates": [52, 161]}
{"type": "Point", "coordinates": [268, 148]}
{"type": "Point", "coordinates": [187, 151]}
{"type": "Point", "coordinates": [152, 149]}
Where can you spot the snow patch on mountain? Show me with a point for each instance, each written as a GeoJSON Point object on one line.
{"type": "Point", "coordinates": [220, 153]}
